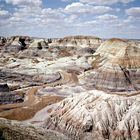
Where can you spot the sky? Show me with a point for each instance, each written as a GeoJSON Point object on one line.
{"type": "Point", "coordinates": [59, 18]}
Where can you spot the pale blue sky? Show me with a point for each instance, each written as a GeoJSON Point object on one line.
{"type": "Point", "coordinates": [58, 18]}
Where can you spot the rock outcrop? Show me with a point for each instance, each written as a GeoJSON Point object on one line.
{"type": "Point", "coordinates": [2, 41]}
{"type": "Point", "coordinates": [10, 98]}
{"type": "Point", "coordinates": [4, 87]}
{"type": "Point", "coordinates": [13, 130]}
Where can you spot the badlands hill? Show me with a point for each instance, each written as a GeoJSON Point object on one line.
{"type": "Point", "coordinates": [78, 87]}
{"type": "Point", "coordinates": [104, 115]}
{"type": "Point", "coordinates": [79, 41]}
{"type": "Point", "coordinates": [116, 66]}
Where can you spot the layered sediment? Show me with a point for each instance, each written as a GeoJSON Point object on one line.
{"type": "Point", "coordinates": [78, 41]}
{"type": "Point", "coordinates": [116, 66]}
{"type": "Point", "coordinates": [79, 86]}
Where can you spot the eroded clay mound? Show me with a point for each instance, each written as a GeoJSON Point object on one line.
{"type": "Point", "coordinates": [38, 44]}
{"type": "Point", "coordinates": [97, 115]}
{"type": "Point", "coordinates": [78, 41]}
{"type": "Point", "coordinates": [116, 66]}
{"type": "Point", "coordinates": [15, 44]}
